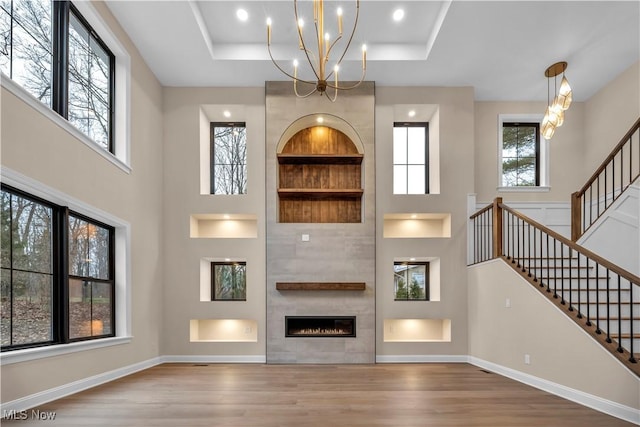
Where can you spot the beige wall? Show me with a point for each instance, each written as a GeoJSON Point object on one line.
{"type": "Point", "coordinates": [187, 114]}
{"type": "Point", "coordinates": [38, 148]}
{"type": "Point", "coordinates": [566, 152]}
{"type": "Point", "coordinates": [451, 117]}
{"type": "Point", "coordinates": [609, 114]}
{"type": "Point", "coordinates": [560, 351]}
{"type": "Point", "coordinates": [590, 131]}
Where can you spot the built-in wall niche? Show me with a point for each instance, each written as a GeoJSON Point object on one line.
{"type": "Point", "coordinates": [417, 225]}
{"type": "Point", "coordinates": [417, 330]}
{"type": "Point", "coordinates": [434, 277]}
{"type": "Point", "coordinates": [223, 226]}
{"type": "Point", "coordinates": [223, 330]}
{"type": "Point", "coordinates": [320, 177]}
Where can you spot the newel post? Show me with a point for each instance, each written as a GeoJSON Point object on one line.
{"type": "Point", "coordinates": [497, 227]}
{"type": "Point", "coordinates": [576, 216]}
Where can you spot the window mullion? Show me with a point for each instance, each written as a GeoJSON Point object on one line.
{"type": "Point", "coordinates": [61, 276]}
{"type": "Point", "coordinates": [60, 63]}
{"type": "Point", "coordinates": [11, 268]}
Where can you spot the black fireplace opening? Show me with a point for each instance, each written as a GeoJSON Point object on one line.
{"type": "Point", "coordinates": [320, 326]}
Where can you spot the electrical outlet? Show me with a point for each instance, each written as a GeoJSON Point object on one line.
{"type": "Point", "coordinates": [507, 303]}
{"type": "Point", "coordinates": [247, 330]}
{"type": "Point", "coordinates": [527, 359]}
{"type": "Point", "coordinates": [306, 237]}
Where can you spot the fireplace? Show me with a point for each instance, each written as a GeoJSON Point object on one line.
{"type": "Point", "coordinates": [320, 326]}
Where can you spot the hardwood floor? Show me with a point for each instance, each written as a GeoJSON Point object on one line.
{"type": "Point", "coordinates": [222, 395]}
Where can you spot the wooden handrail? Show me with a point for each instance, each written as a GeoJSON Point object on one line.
{"type": "Point", "coordinates": [610, 157]}
{"type": "Point", "coordinates": [632, 278]}
{"type": "Point", "coordinates": [481, 211]}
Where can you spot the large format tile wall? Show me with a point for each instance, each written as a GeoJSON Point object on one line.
{"type": "Point", "coordinates": [334, 252]}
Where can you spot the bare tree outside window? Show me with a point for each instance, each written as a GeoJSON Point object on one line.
{"type": "Point", "coordinates": [26, 45]}
{"type": "Point", "coordinates": [229, 281]}
{"type": "Point", "coordinates": [90, 281]}
{"type": "Point", "coordinates": [26, 285]}
{"type": "Point", "coordinates": [38, 266]}
{"type": "Point", "coordinates": [27, 57]}
{"type": "Point", "coordinates": [228, 158]}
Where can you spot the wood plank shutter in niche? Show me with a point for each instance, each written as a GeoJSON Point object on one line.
{"type": "Point", "coordinates": [320, 177]}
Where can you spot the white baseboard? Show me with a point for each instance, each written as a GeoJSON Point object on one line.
{"type": "Point", "coordinates": [603, 405]}
{"type": "Point", "coordinates": [213, 359]}
{"type": "Point", "coordinates": [55, 393]}
{"type": "Point", "coordinates": [422, 358]}
{"type": "Point", "coordinates": [609, 407]}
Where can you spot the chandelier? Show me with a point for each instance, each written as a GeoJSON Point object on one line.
{"type": "Point", "coordinates": [325, 72]}
{"type": "Point", "coordinates": [554, 116]}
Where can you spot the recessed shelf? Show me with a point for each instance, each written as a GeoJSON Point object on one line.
{"type": "Point", "coordinates": [223, 330]}
{"type": "Point", "coordinates": [321, 286]}
{"type": "Point", "coordinates": [219, 226]}
{"type": "Point", "coordinates": [422, 225]}
{"type": "Point", "coordinates": [319, 193]}
{"type": "Point", "coordinates": [320, 159]}
{"type": "Point", "coordinates": [417, 330]}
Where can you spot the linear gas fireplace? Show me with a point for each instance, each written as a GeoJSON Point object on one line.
{"type": "Point", "coordinates": [320, 326]}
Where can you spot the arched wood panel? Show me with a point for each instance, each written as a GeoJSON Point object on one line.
{"type": "Point", "coordinates": [320, 177]}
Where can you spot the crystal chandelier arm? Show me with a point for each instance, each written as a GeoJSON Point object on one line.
{"type": "Point", "coordinates": [304, 47]}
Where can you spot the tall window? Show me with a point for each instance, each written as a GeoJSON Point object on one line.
{"type": "Point", "coordinates": [228, 158]}
{"type": "Point", "coordinates": [411, 281]}
{"type": "Point", "coordinates": [57, 282]}
{"type": "Point", "coordinates": [91, 281]}
{"type": "Point", "coordinates": [229, 281]}
{"type": "Point", "coordinates": [27, 277]}
{"type": "Point", "coordinates": [520, 154]}
{"type": "Point", "coordinates": [49, 49]}
{"type": "Point", "coordinates": [410, 158]}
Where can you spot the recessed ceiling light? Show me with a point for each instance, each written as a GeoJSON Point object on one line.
{"type": "Point", "coordinates": [398, 14]}
{"type": "Point", "coordinates": [227, 259]}
{"type": "Point", "coordinates": [242, 15]}
{"type": "Point", "coordinates": [320, 120]}
{"type": "Point", "coordinates": [412, 259]}
{"type": "Point", "coordinates": [412, 113]}
{"type": "Point", "coordinates": [414, 216]}
{"type": "Point", "coordinates": [226, 216]}
{"type": "Point", "coordinates": [227, 113]}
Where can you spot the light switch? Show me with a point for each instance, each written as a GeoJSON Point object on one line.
{"type": "Point", "coordinates": [305, 238]}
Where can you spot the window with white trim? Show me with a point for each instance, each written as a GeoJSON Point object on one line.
{"type": "Point", "coordinates": [410, 158]}
{"type": "Point", "coordinates": [51, 51]}
{"type": "Point", "coordinates": [57, 274]}
{"type": "Point", "coordinates": [522, 153]}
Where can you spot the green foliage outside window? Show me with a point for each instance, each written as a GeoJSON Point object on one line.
{"type": "Point", "coordinates": [520, 155]}
{"type": "Point", "coordinates": [417, 275]}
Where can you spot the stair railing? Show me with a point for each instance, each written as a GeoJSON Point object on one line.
{"type": "Point", "coordinates": [619, 170]}
{"type": "Point", "coordinates": [601, 297]}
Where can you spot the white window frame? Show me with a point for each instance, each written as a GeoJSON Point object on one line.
{"type": "Point", "coordinates": [121, 135]}
{"type": "Point", "coordinates": [544, 153]}
{"type": "Point", "coordinates": [122, 268]}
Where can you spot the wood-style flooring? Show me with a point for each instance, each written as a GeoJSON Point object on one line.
{"type": "Point", "coordinates": [390, 395]}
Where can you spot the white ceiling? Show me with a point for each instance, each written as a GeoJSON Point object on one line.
{"type": "Point", "coordinates": [501, 48]}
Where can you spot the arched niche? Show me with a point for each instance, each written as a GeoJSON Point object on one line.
{"type": "Point", "coordinates": [328, 120]}
{"type": "Point", "coordinates": [320, 172]}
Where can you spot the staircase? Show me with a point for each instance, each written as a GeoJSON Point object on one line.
{"type": "Point", "coordinates": [602, 298]}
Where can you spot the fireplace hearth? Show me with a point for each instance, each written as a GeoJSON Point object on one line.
{"type": "Point", "coordinates": [320, 326]}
